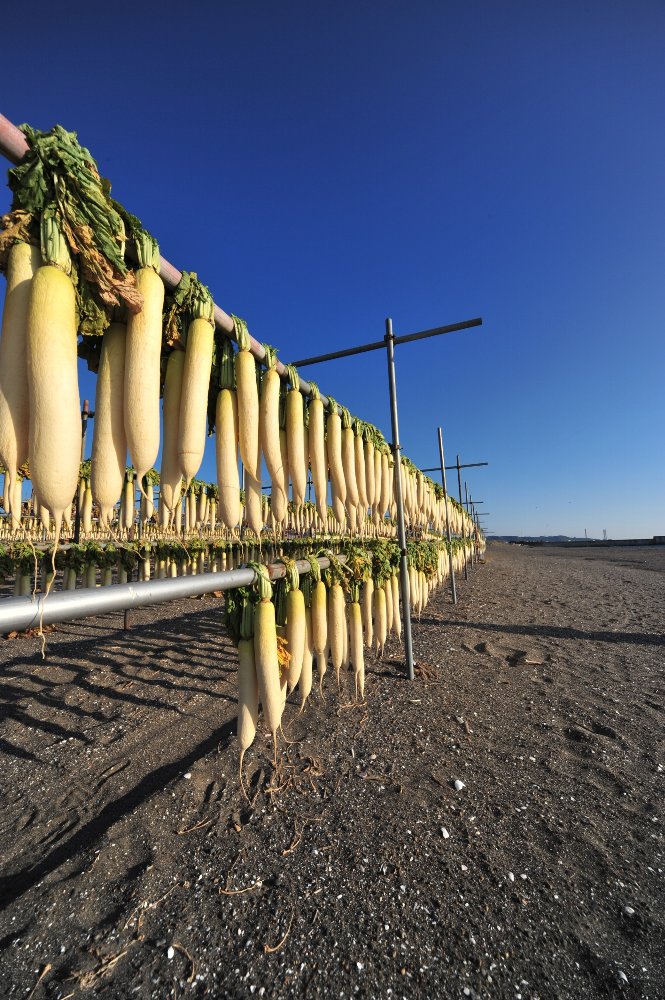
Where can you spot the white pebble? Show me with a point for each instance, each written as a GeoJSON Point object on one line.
{"type": "Point", "coordinates": [444, 833]}
{"type": "Point", "coordinates": [459, 785]}
{"type": "Point", "coordinates": [188, 775]}
{"type": "Point", "coordinates": [464, 868]}
{"type": "Point", "coordinates": [511, 876]}
{"type": "Point", "coordinates": [170, 953]}
{"type": "Point", "coordinates": [629, 911]}
{"type": "Point", "coordinates": [623, 977]}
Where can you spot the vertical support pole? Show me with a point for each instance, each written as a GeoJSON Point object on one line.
{"type": "Point", "coordinates": [466, 504]}
{"type": "Point", "coordinates": [453, 589]}
{"type": "Point", "coordinates": [459, 487]}
{"type": "Point", "coordinates": [401, 529]}
{"type": "Point", "coordinates": [85, 412]}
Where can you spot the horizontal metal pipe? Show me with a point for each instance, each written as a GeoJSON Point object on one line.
{"type": "Point", "coordinates": [436, 331]}
{"type": "Point", "coordinates": [20, 613]}
{"type": "Point", "coordinates": [14, 146]}
{"type": "Point", "coordinates": [469, 465]}
{"type": "Point", "coordinates": [378, 345]}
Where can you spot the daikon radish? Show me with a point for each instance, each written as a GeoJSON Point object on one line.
{"type": "Point", "coordinates": [366, 593]}
{"type": "Point", "coordinates": [334, 450]}
{"type": "Point", "coordinates": [317, 452]}
{"type": "Point", "coordinates": [54, 403]}
{"type": "Point", "coordinates": [248, 699]}
{"type": "Point", "coordinates": [359, 451]}
{"type": "Point", "coordinates": [23, 260]}
{"type": "Point", "coordinates": [356, 647]}
{"type": "Point", "coordinates": [265, 655]}
{"type": "Point", "coordinates": [295, 625]}
{"type": "Point", "coordinates": [248, 402]}
{"type": "Point", "coordinates": [170, 479]}
{"type": "Point", "coordinates": [195, 384]}
{"type": "Point", "coordinates": [109, 445]}
{"type": "Point", "coordinates": [305, 683]}
{"type": "Point", "coordinates": [336, 624]}
{"type": "Point", "coordinates": [380, 618]}
{"type": "Point", "coordinates": [295, 438]}
{"type": "Point", "coordinates": [142, 357]}
{"type": "Point", "coordinates": [253, 504]}
{"type": "Point", "coordinates": [226, 431]}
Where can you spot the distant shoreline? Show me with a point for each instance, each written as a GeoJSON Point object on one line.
{"type": "Point", "coordinates": [568, 543]}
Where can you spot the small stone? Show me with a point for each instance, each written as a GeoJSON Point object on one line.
{"type": "Point", "coordinates": [459, 785]}
{"type": "Point", "coordinates": [511, 876]}
{"type": "Point", "coordinates": [444, 833]}
{"type": "Point", "coordinates": [170, 953]}
{"type": "Point", "coordinates": [622, 977]}
{"type": "Point", "coordinates": [360, 966]}
{"type": "Point", "coordinates": [188, 775]}
{"type": "Point", "coordinates": [629, 911]}
{"type": "Point", "coordinates": [464, 868]}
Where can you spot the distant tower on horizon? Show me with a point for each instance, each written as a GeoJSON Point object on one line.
{"type": "Point", "coordinates": [585, 535]}
{"type": "Point", "coordinates": [604, 534]}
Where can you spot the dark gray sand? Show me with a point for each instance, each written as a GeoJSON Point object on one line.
{"type": "Point", "coordinates": [131, 865]}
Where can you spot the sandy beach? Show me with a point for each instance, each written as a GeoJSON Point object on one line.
{"type": "Point", "coordinates": [493, 829]}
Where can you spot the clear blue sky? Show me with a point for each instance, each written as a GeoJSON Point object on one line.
{"type": "Point", "coordinates": [325, 165]}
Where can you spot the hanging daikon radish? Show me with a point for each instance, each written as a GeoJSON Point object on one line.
{"type": "Point", "coordinates": [336, 625]}
{"type": "Point", "coordinates": [284, 451]}
{"type": "Point", "coordinates": [305, 683]}
{"type": "Point", "coordinates": [384, 501]}
{"type": "Point", "coordinates": [349, 460]}
{"type": "Point", "coordinates": [359, 451]}
{"type": "Point", "coordinates": [368, 448]}
{"type": "Point", "coordinates": [366, 593]}
{"type": "Point", "coordinates": [248, 688]}
{"type": "Point", "coordinates": [269, 432]}
{"type": "Point", "coordinates": [128, 501]}
{"type": "Point", "coordinates": [253, 504]}
{"type": "Point", "coordinates": [16, 504]}
{"type": "Point", "coordinates": [380, 617]}
{"type": "Point", "coordinates": [195, 382]}
{"type": "Point", "coordinates": [265, 654]}
{"type": "Point", "coordinates": [334, 449]}
{"type": "Point", "coordinates": [397, 620]}
{"type": "Point", "coordinates": [86, 510]}
{"type": "Point", "coordinates": [248, 401]}
{"type": "Point", "coordinates": [54, 403]}
{"type": "Point", "coordinates": [142, 358]}
{"type": "Point", "coordinates": [295, 624]}
{"type": "Point", "coordinates": [317, 452]}
{"type": "Point", "coordinates": [295, 437]}
{"type": "Point", "coordinates": [226, 431]}
{"type": "Point", "coordinates": [109, 446]}
{"type": "Point", "coordinates": [356, 641]}
{"type": "Point", "coordinates": [170, 477]}
{"type": "Point", "coordinates": [319, 617]}
{"type": "Point", "coordinates": [23, 260]}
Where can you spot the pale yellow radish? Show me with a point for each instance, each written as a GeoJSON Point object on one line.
{"type": "Point", "coordinates": [109, 445]}
{"type": "Point", "coordinates": [317, 452]}
{"type": "Point", "coordinates": [195, 384]}
{"type": "Point", "coordinates": [265, 654]}
{"type": "Point", "coordinates": [248, 401]}
{"type": "Point", "coordinates": [142, 364]}
{"type": "Point", "coordinates": [295, 438]}
{"type": "Point", "coordinates": [54, 403]}
{"type": "Point", "coordinates": [336, 624]}
{"type": "Point", "coordinates": [23, 260]}
{"type": "Point", "coordinates": [170, 479]}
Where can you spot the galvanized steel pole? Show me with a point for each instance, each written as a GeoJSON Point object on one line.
{"type": "Point", "coordinates": [453, 589]}
{"type": "Point", "coordinates": [401, 528]}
